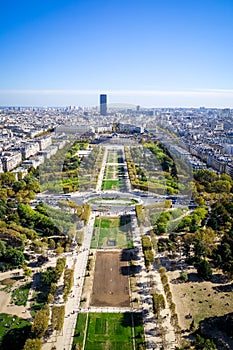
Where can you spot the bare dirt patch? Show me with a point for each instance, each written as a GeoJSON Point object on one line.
{"type": "Point", "coordinates": [8, 281]}
{"type": "Point", "coordinates": [200, 299]}
{"type": "Point", "coordinates": [111, 285]}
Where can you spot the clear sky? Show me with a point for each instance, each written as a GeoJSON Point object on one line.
{"type": "Point", "coordinates": [153, 53]}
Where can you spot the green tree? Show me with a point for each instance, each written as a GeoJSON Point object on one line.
{"type": "Point", "coordinates": [204, 270]}
{"type": "Point", "coordinates": [15, 257]}
{"type": "Point", "coordinates": [3, 208]}
{"type": "Point", "coordinates": [59, 250]}
{"type": "Point", "coordinates": [27, 272]}
{"type": "Point", "coordinates": [57, 320]}
{"type": "Point", "coordinates": [40, 323]}
{"type": "Point", "coordinates": [202, 343]}
{"type": "Point", "coordinates": [8, 178]}
{"type": "Point", "coordinates": [220, 186]}
{"type": "Point", "coordinates": [33, 344]}
{"type": "Point", "coordinates": [49, 276]}
{"type": "Point", "coordinates": [19, 185]}
{"type": "Point", "coordinates": [2, 248]}
{"type": "Point", "coordinates": [52, 244]}
{"type": "Point", "coordinates": [183, 276]}
{"type": "Point", "coordinates": [158, 303]}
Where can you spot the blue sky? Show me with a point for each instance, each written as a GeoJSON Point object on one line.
{"type": "Point", "coordinates": [150, 52]}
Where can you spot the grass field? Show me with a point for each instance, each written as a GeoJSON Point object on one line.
{"type": "Point", "coordinates": [109, 331]}
{"type": "Point", "coordinates": [112, 232]}
{"type": "Point", "coordinates": [110, 185]}
{"type": "Point", "coordinates": [114, 185]}
{"type": "Point", "coordinates": [20, 295]}
{"type": "Point", "coordinates": [13, 332]}
{"type": "Point", "coordinates": [113, 201]}
{"type": "Point", "coordinates": [114, 175]}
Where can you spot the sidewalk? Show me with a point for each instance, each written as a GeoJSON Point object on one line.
{"type": "Point", "coordinates": [78, 261]}
{"type": "Point", "coordinates": [146, 279]}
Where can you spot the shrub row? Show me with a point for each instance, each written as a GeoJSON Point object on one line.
{"type": "Point", "coordinates": [147, 250]}
{"type": "Point", "coordinates": [172, 306]}
{"type": "Point", "coordinates": [68, 282]}
{"type": "Point", "coordinates": [58, 315]}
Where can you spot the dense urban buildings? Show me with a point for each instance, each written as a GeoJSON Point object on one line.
{"type": "Point", "coordinates": [203, 136]}
{"type": "Point", "coordinates": [117, 201]}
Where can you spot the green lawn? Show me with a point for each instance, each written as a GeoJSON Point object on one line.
{"type": "Point", "coordinates": [110, 185]}
{"type": "Point", "coordinates": [114, 184]}
{"type": "Point", "coordinates": [13, 332]}
{"type": "Point", "coordinates": [112, 229]}
{"type": "Point", "coordinates": [114, 174]}
{"type": "Point", "coordinates": [113, 201]}
{"type": "Point", "coordinates": [110, 331]}
{"type": "Point", "coordinates": [20, 295]}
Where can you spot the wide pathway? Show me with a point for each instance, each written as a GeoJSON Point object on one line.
{"type": "Point", "coordinates": [78, 261]}
{"type": "Point", "coordinates": [147, 279]}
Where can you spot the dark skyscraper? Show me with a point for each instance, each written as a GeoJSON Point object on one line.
{"type": "Point", "coordinates": [103, 104]}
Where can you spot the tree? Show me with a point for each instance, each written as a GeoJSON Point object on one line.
{"type": "Point", "coordinates": [206, 177]}
{"type": "Point", "coordinates": [68, 282]}
{"type": "Point", "coordinates": [161, 227]}
{"type": "Point", "coordinates": [15, 257]}
{"type": "Point", "coordinates": [50, 298]}
{"type": "Point", "coordinates": [59, 268]}
{"type": "Point", "coordinates": [8, 178]}
{"type": "Point", "coordinates": [49, 276]}
{"type": "Point", "coordinates": [3, 208]}
{"type": "Point", "coordinates": [32, 184]}
{"type": "Point", "coordinates": [59, 250]}
{"type": "Point", "coordinates": [183, 276]}
{"type": "Point", "coordinates": [204, 344]}
{"type": "Point", "coordinates": [33, 344]}
{"type": "Point", "coordinates": [220, 186]}
{"type": "Point", "coordinates": [19, 185]}
{"type": "Point", "coordinates": [3, 194]}
{"type": "Point", "coordinates": [52, 244]}
{"type": "Point", "coordinates": [199, 249]}
{"type": "Point", "coordinates": [187, 241]}
{"type": "Point", "coordinates": [208, 238]}
{"type": "Point", "coordinates": [2, 248]}
{"type": "Point", "coordinates": [27, 271]}
{"type": "Point", "coordinates": [158, 303]}
{"type": "Point", "coordinates": [40, 324]}
{"type": "Point", "coordinates": [57, 320]}
{"type": "Point", "coordinates": [204, 270]}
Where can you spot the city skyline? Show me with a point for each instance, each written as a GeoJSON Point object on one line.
{"type": "Point", "coordinates": [155, 54]}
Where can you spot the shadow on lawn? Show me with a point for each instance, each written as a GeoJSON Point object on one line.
{"type": "Point", "coordinates": [127, 318]}
{"type": "Point", "coordinates": [15, 338]}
